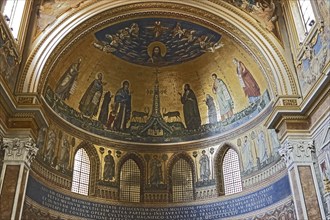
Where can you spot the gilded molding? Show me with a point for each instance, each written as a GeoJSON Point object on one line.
{"type": "Point", "coordinates": [290, 102]}
{"type": "Point", "coordinates": [295, 118]}
{"type": "Point", "coordinates": [25, 100]}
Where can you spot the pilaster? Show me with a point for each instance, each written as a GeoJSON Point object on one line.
{"type": "Point", "coordinates": [326, 195]}
{"type": "Point", "coordinates": [19, 153]}
{"type": "Point", "coordinates": [298, 153]}
{"type": "Point", "coordinates": [327, 202]}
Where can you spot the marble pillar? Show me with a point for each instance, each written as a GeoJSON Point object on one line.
{"type": "Point", "coordinates": [299, 157]}
{"type": "Point", "coordinates": [19, 153]}
{"type": "Point", "coordinates": [326, 195]}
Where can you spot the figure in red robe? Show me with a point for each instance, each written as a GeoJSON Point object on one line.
{"type": "Point", "coordinates": [111, 118]}
{"type": "Point", "coordinates": [248, 83]}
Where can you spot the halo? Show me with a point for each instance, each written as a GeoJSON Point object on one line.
{"type": "Point", "coordinates": [97, 74]}
{"type": "Point", "coordinates": [154, 44]}
{"type": "Point", "coordinates": [122, 82]}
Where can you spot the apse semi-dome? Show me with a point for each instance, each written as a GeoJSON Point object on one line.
{"type": "Point", "coordinates": [165, 110]}
{"type": "Point", "coordinates": [157, 80]}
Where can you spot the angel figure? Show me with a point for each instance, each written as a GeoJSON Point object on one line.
{"type": "Point", "coordinates": [123, 33]}
{"type": "Point", "coordinates": [105, 47]}
{"type": "Point", "coordinates": [177, 31]}
{"type": "Point", "coordinates": [115, 40]}
{"type": "Point", "coordinates": [134, 30]}
{"type": "Point", "coordinates": [188, 35]}
{"type": "Point", "coordinates": [157, 29]}
{"type": "Point", "coordinates": [206, 45]}
{"type": "Point", "coordinates": [212, 47]}
{"type": "Point", "coordinates": [202, 41]}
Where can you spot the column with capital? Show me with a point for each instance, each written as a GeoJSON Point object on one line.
{"type": "Point", "coordinates": [19, 153]}
{"type": "Point", "coordinates": [298, 153]}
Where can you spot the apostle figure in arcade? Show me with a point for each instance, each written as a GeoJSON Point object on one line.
{"type": "Point", "coordinates": [247, 155]}
{"type": "Point", "coordinates": [89, 103]}
{"type": "Point", "coordinates": [122, 107]}
{"type": "Point", "coordinates": [204, 162]}
{"type": "Point", "coordinates": [67, 81]}
{"type": "Point", "coordinates": [156, 171]}
{"type": "Point", "coordinates": [275, 146]}
{"type": "Point", "coordinates": [190, 108]}
{"type": "Point", "coordinates": [248, 83]}
{"type": "Point", "coordinates": [65, 154]}
{"type": "Point", "coordinates": [109, 167]}
{"type": "Point", "coordinates": [262, 148]}
{"type": "Point", "coordinates": [50, 147]}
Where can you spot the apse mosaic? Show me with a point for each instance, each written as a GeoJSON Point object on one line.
{"type": "Point", "coordinates": [124, 124]}
{"type": "Point", "coordinates": [149, 81]}
{"type": "Point", "coordinates": [157, 42]}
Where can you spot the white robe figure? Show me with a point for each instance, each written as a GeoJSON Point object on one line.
{"type": "Point", "coordinates": [262, 147]}
{"type": "Point", "coordinates": [247, 155]}
{"type": "Point", "coordinates": [275, 142]}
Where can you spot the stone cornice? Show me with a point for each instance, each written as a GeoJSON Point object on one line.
{"type": "Point", "coordinates": [291, 108]}
{"type": "Point", "coordinates": [21, 108]}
